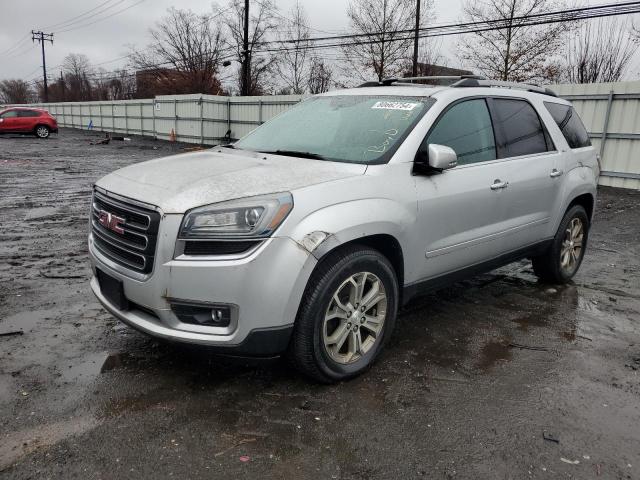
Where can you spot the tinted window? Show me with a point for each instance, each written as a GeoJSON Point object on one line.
{"type": "Point", "coordinates": [9, 114]}
{"type": "Point", "coordinates": [519, 127]}
{"type": "Point", "coordinates": [465, 127]}
{"type": "Point", "coordinates": [570, 124]}
{"type": "Point", "coordinates": [28, 113]}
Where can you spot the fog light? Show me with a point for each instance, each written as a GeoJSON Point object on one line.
{"type": "Point", "coordinates": [211, 316]}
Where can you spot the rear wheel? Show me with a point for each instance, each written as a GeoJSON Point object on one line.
{"type": "Point", "coordinates": [42, 131]}
{"type": "Point", "coordinates": [347, 314]}
{"type": "Point", "coordinates": [562, 260]}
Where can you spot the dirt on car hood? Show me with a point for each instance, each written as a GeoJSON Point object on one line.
{"type": "Point", "coordinates": [181, 182]}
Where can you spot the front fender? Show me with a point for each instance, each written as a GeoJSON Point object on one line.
{"type": "Point", "coordinates": [327, 228]}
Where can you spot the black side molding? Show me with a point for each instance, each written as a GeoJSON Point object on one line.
{"type": "Point", "coordinates": [437, 283]}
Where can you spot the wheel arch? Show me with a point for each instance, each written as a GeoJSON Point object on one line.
{"type": "Point", "coordinates": [586, 200]}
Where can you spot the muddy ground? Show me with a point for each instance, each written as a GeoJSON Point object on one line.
{"type": "Point", "coordinates": [496, 377]}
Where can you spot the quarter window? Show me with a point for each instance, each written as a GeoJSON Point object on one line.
{"type": "Point", "coordinates": [9, 114]}
{"type": "Point", "coordinates": [466, 128]}
{"type": "Point", "coordinates": [520, 127]}
{"type": "Point", "coordinates": [570, 124]}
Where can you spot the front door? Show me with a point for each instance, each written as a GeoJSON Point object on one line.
{"type": "Point", "coordinates": [461, 211]}
{"type": "Point", "coordinates": [9, 121]}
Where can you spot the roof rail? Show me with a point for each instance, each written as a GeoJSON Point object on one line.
{"type": "Point", "coordinates": [471, 82]}
{"type": "Point", "coordinates": [409, 80]}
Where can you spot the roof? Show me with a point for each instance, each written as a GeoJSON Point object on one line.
{"type": "Point", "coordinates": [469, 84]}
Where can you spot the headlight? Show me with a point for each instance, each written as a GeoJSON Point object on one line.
{"type": "Point", "coordinates": [246, 217]}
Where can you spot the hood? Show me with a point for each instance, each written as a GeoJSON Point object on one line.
{"type": "Point", "coordinates": [181, 182]}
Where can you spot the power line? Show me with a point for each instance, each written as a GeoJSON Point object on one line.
{"type": "Point", "coordinates": [78, 18]}
{"type": "Point", "coordinates": [465, 28]}
{"type": "Point", "coordinates": [15, 45]}
{"type": "Point", "coordinates": [102, 18]}
{"type": "Point", "coordinates": [559, 15]}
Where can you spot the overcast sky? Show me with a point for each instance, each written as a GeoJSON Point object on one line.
{"type": "Point", "coordinates": [108, 38]}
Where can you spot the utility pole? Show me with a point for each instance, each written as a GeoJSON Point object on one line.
{"type": "Point", "coordinates": [43, 37]}
{"type": "Point", "coordinates": [246, 64]}
{"type": "Point", "coordinates": [414, 72]}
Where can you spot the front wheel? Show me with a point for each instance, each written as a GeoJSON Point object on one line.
{"type": "Point", "coordinates": [563, 258]}
{"type": "Point", "coordinates": [42, 131]}
{"type": "Point", "coordinates": [347, 314]}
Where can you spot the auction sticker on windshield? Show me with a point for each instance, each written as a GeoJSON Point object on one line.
{"type": "Point", "coordinates": [395, 105]}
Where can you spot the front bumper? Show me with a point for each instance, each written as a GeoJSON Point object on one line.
{"type": "Point", "coordinates": [266, 288]}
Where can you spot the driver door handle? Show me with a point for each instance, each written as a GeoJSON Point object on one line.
{"type": "Point", "coordinates": [498, 184]}
{"type": "Point", "coordinates": [555, 173]}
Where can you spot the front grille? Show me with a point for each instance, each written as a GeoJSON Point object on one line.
{"type": "Point", "coordinates": [134, 247]}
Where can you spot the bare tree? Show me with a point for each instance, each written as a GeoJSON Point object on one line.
{"type": "Point", "coordinates": [600, 52]}
{"type": "Point", "coordinates": [320, 76]}
{"type": "Point", "coordinates": [77, 72]}
{"type": "Point", "coordinates": [294, 62]}
{"type": "Point", "coordinates": [262, 23]}
{"type": "Point", "coordinates": [382, 50]}
{"type": "Point", "coordinates": [184, 56]}
{"type": "Point", "coordinates": [15, 91]}
{"type": "Point", "coordinates": [517, 52]}
{"type": "Point", "coordinates": [120, 85]}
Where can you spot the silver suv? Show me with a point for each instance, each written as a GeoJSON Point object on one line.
{"type": "Point", "coordinates": [308, 234]}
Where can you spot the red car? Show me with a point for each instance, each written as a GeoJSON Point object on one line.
{"type": "Point", "coordinates": [27, 120]}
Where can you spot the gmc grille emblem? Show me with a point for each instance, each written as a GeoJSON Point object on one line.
{"type": "Point", "coordinates": [111, 221]}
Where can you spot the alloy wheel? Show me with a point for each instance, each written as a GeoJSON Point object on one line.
{"type": "Point", "coordinates": [572, 244]}
{"type": "Point", "coordinates": [42, 132]}
{"type": "Point", "coordinates": [354, 318]}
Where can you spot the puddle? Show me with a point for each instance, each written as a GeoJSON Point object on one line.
{"type": "Point", "coordinates": [40, 212]}
{"type": "Point", "coordinates": [532, 320]}
{"type": "Point", "coordinates": [92, 366]}
{"type": "Point", "coordinates": [492, 353]}
{"type": "Point", "coordinates": [23, 321]}
{"type": "Point", "coordinates": [20, 443]}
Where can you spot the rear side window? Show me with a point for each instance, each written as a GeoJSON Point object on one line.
{"type": "Point", "coordinates": [28, 113]}
{"type": "Point", "coordinates": [570, 124]}
{"type": "Point", "coordinates": [9, 114]}
{"type": "Point", "coordinates": [518, 127]}
{"type": "Point", "coordinates": [466, 128]}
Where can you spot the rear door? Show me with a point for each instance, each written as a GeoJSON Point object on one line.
{"type": "Point", "coordinates": [461, 210]}
{"type": "Point", "coordinates": [27, 120]}
{"type": "Point", "coordinates": [532, 169]}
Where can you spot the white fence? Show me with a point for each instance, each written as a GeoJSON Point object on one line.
{"type": "Point", "coordinates": [610, 111]}
{"type": "Point", "coordinates": [202, 119]}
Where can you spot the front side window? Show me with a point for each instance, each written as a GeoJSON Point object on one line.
{"type": "Point", "coordinates": [520, 128]}
{"type": "Point", "coordinates": [9, 114]}
{"type": "Point", "coordinates": [343, 128]}
{"type": "Point", "coordinates": [570, 124]}
{"type": "Point", "coordinates": [466, 128]}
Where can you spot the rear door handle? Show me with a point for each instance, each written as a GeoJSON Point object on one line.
{"type": "Point", "coordinates": [498, 184]}
{"type": "Point", "coordinates": [555, 173]}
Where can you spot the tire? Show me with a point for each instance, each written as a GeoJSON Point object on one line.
{"type": "Point", "coordinates": [42, 131]}
{"type": "Point", "coordinates": [336, 277]}
{"type": "Point", "coordinates": [552, 266]}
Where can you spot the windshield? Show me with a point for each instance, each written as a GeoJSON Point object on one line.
{"type": "Point", "coordinates": [348, 128]}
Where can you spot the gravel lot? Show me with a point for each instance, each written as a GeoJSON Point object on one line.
{"type": "Point", "coordinates": [473, 381]}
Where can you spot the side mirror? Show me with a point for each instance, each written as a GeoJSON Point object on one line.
{"type": "Point", "coordinates": [436, 159]}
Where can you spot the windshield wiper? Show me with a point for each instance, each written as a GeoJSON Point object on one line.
{"type": "Point", "coordinates": [295, 153]}
{"type": "Point", "coordinates": [228, 145]}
